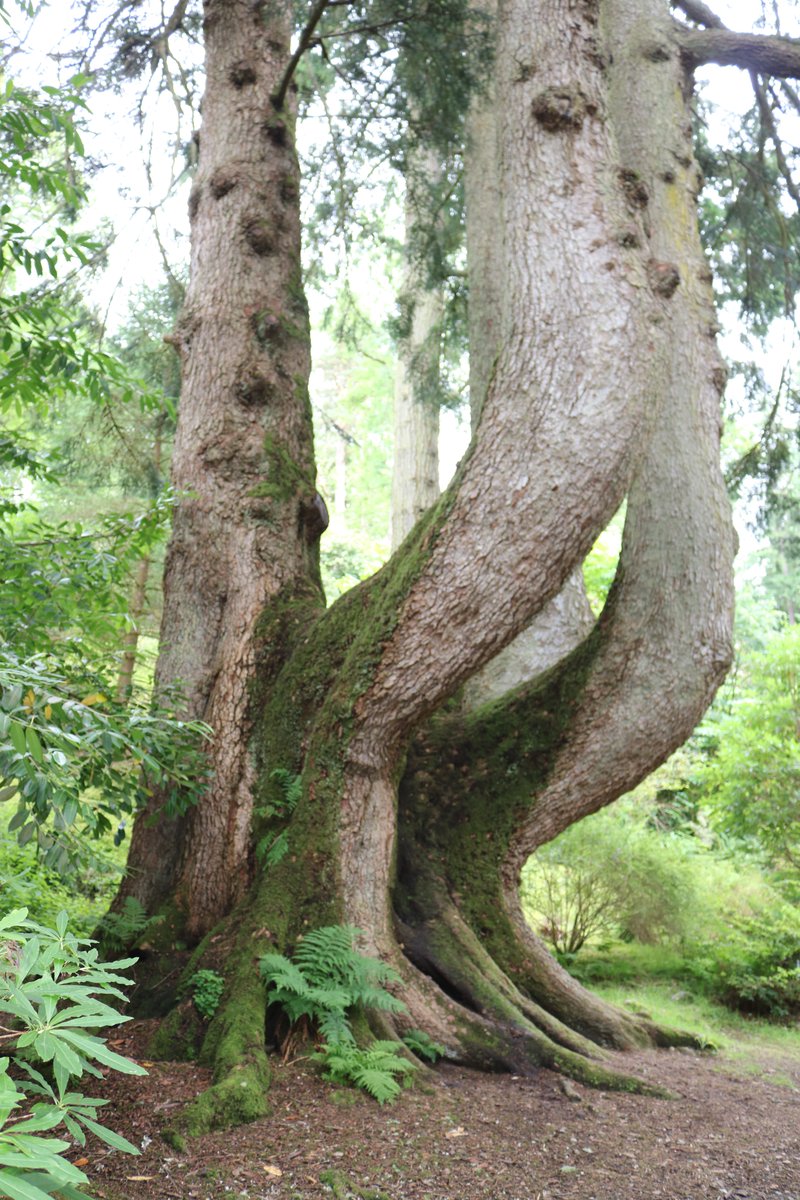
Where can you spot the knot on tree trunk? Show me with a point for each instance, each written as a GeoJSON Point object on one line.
{"type": "Point", "coordinates": [562, 108]}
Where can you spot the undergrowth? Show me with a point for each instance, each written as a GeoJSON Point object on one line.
{"type": "Point", "coordinates": [321, 987]}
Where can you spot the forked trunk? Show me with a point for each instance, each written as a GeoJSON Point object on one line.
{"type": "Point", "coordinates": [584, 402]}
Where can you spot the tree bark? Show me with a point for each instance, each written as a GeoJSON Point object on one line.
{"type": "Point", "coordinates": [639, 685]}
{"type": "Point", "coordinates": [567, 618]}
{"type": "Point", "coordinates": [778, 56]}
{"type": "Point", "coordinates": [247, 531]}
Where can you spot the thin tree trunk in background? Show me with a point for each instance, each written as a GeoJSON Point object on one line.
{"type": "Point", "coordinates": [789, 608]}
{"type": "Point", "coordinates": [415, 479]}
{"type": "Point", "coordinates": [130, 641]}
{"type": "Point", "coordinates": [138, 601]}
{"type": "Point", "coordinates": [340, 485]}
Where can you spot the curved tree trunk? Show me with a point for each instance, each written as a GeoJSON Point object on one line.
{"type": "Point", "coordinates": [641, 683]}
{"type": "Point", "coordinates": [567, 619]}
{"type": "Point", "coordinates": [581, 399]}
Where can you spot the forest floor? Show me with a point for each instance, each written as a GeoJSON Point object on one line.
{"type": "Point", "coordinates": [732, 1132]}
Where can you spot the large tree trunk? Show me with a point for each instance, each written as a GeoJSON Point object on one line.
{"type": "Point", "coordinates": [642, 681]}
{"type": "Point", "coordinates": [567, 619]}
{"type": "Point", "coordinates": [585, 402]}
{"type": "Point", "coordinates": [246, 534]}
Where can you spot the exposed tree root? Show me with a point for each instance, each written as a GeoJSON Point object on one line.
{"type": "Point", "coordinates": [492, 1024]}
{"type": "Point", "coordinates": [234, 1045]}
{"type": "Point", "coordinates": [537, 973]}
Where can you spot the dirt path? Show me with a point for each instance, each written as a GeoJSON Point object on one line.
{"type": "Point", "coordinates": [466, 1136]}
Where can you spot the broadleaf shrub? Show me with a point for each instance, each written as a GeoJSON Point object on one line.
{"type": "Point", "coordinates": [55, 994]}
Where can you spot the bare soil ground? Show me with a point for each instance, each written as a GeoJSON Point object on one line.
{"type": "Point", "coordinates": [733, 1132]}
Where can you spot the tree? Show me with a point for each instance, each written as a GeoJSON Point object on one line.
{"type": "Point", "coordinates": [412, 817]}
{"type": "Point", "coordinates": [751, 779]}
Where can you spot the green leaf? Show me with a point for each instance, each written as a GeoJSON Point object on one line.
{"type": "Point", "coordinates": [45, 1046]}
{"type": "Point", "coordinates": [14, 919]}
{"type": "Point", "coordinates": [97, 1049]}
{"type": "Point", "coordinates": [115, 1140]}
{"type": "Point", "coordinates": [18, 1187]}
{"type": "Point", "coordinates": [34, 745]}
{"type": "Point", "coordinates": [67, 1060]}
{"type": "Point", "coordinates": [17, 734]}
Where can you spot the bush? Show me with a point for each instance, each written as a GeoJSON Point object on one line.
{"type": "Point", "coordinates": [707, 916]}
{"type": "Point", "coordinates": [752, 780]}
{"type": "Point", "coordinates": [756, 967]}
{"type": "Point", "coordinates": [54, 994]}
{"type": "Point", "coordinates": [612, 875]}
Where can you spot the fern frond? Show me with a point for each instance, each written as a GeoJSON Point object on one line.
{"type": "Point", "coordinates": [335, 1028]}
{"type": "Point", "coordinates": [291, 786]}
{"type": "Point", "coordinates": [274, 853]}
{"type": "Point", "coordinates": [329, 999]}
{"type": "Point", "coordinates": [326, 978]}
{"type": "Point", "coordinates": [376, 997]}
{"type": "Point", "coordinates": [419, 1043]}
{"type": "Point", "coordinates": [327, 953]}
{"type": "Point", "coordinates": [281, 974]}
{"type": "Point", "coordinates": [375, 1068]}
{"type": "Point", "coordinates": [380, 1084]}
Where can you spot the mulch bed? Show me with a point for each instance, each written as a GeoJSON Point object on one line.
{"type": "Point", "coordinates": [460, 1135]}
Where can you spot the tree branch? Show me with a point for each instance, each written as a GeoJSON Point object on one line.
{"type": "Point", "coordinates": [766, 54]}
{"type": "Point", "coordinates": [768, 123]}
{"type": "Point", "coordinates": [696, 11]}
{"type": "Point", "coordinates": [316, 15]}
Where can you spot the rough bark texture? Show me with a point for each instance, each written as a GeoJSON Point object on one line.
{"type": "Point", "coordinates": [567, 618]}
{"type": "Point", "coordinates": [246, 531]}
{"type": "Point", "coordinates": [413, 819]}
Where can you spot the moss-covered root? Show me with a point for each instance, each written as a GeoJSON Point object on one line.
{"type": "Point", "coordinates": [523, 1049]}
{"type": "Point", "coordinates": [537, 974]}
{"type": "Point", "coordinates": [449, 950]}
{"type": "Point", "coordinates": [179, 1036]}
{"type": "Point", "coordinates": [234, 1047]}
{"type": "Point", "coordinates": [495, 1027]}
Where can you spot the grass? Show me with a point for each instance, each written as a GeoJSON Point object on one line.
{"type": "Point", "coordinates": [746, 1045]}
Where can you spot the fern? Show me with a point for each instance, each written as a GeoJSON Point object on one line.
{"type": "Point", "coordinates": [327, 978]}
{"type": "Point", "coordinates": [378, 1069]}
{"type": "Point", "coordinates": [121, 930]}
{"type": "Point", "coordinates": [272, 850]}
{"type": "Point", "coordinates": [419, 1043]}
{"type": "Point", "coordinates": [291, 786]}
